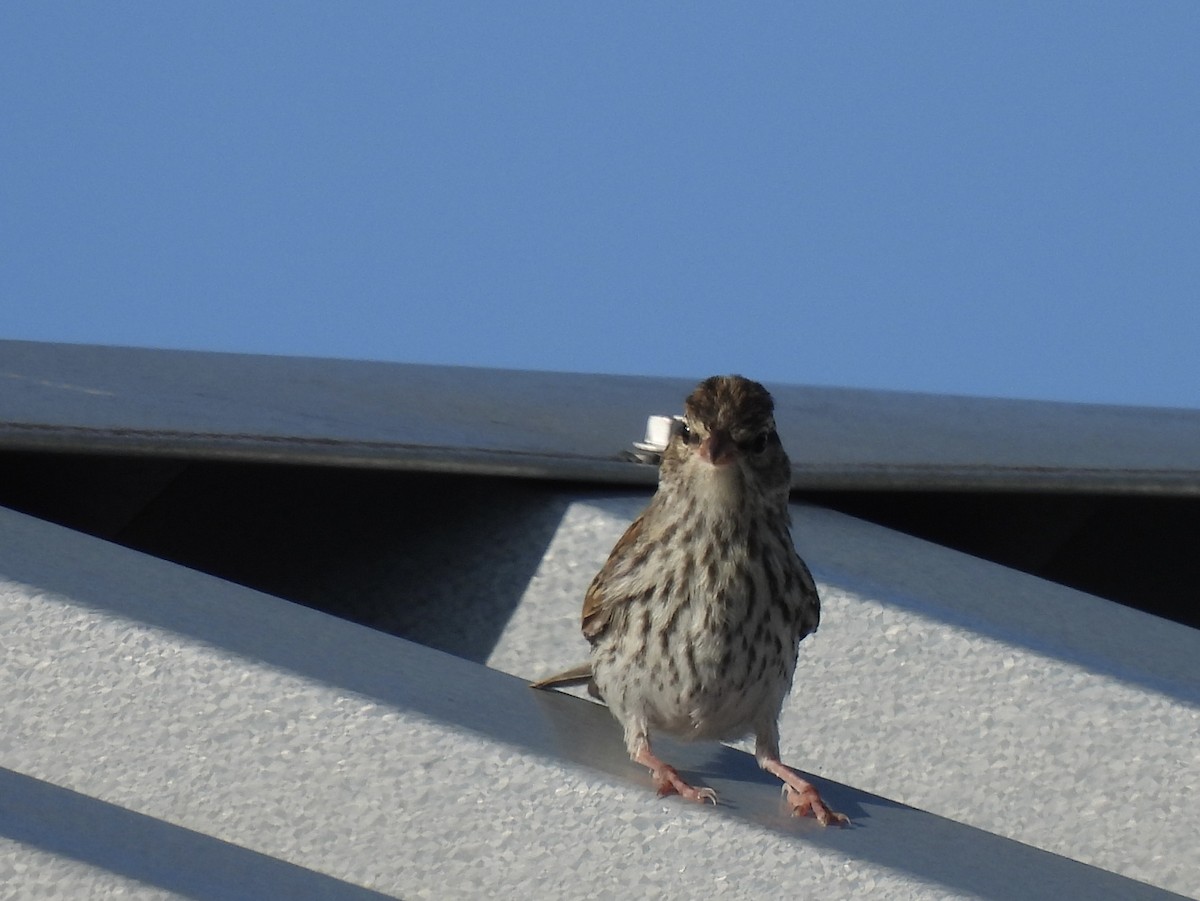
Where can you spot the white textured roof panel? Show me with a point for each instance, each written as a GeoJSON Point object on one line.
{"type": "Point", "coordinates": [949, 683]}
{"type": "Point", "coordinates": [316, 758]}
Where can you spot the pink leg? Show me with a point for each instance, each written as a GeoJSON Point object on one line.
{"type": "Point", "coordinates": [667, 778]}
{"type": "Point", "coordinates": [801, 795]}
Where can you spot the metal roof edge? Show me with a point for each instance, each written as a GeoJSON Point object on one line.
{"type": "Point", "coordinates": [112, 400]}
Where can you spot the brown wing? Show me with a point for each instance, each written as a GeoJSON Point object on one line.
{"type": "Point", "coordinates": [810, 611]}
{"type": "Point", "coordinates": [599, 603]}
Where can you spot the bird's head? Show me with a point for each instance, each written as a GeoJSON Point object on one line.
{"type": "Point", "coordinates": [728, 436]}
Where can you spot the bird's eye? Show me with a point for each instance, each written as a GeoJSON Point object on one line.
{"type": "Point", "coordinates": [759, 444]}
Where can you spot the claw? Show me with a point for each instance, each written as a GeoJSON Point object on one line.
{"type": "Point", "coordinates": [806, 802]}
{"type": "Point", "coordinates": [802, 796]}
{"type": "Point", "coordinates": [667, 780]}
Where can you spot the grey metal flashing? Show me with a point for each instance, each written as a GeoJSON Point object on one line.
{"type": "Point", "coordinates": [77, 398]}
{"type": "Point", "coordinates": [292, 450]}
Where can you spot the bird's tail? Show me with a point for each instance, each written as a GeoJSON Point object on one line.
{"type": "Point", "coordinates": [576, 675]}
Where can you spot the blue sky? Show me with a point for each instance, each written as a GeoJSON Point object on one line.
{"type": "Point", "coordinates": [990, 199]}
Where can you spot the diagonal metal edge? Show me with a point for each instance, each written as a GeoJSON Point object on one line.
{"type": "Point", "coordinates": [153, 851]}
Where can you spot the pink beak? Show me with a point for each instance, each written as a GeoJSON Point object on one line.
{"type": "Point", "coordinates": [718, 448]}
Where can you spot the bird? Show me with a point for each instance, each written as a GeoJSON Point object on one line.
{"type": "Point", "coordinates": [696, 617]}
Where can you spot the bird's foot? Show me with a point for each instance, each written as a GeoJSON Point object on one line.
{"type": "Point", "coordinates": [806, 801]}
{"type": "Point", "coordinates": [667, 780]}
{"type": "Point", "coordinates": [802, 796]}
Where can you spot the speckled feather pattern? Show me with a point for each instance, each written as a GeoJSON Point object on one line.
{"type": "Point", "coordinates": [708, 650]}
{"type": "Point", "coordinates": [696, 618]}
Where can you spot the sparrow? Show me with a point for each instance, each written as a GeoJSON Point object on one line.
{"type": "Point", "coordinates": [696, 617]}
